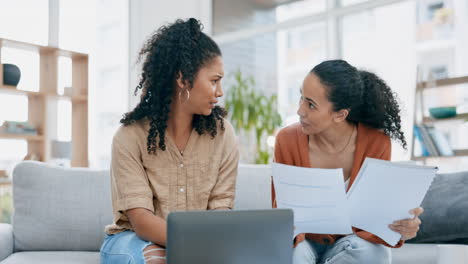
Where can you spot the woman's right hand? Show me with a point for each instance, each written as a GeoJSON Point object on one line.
{"type": "Point", "coordinates": [298, 239]}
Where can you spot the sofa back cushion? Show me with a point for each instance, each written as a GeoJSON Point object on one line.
{"type": "Point", "coordinates": [67, 209]}
{"type": "Point", "coordinates": [445, 217]}
{"type": "Point", "coordinates": [60, 209]}
{"type": "Point", "coordinates": [253, 188]}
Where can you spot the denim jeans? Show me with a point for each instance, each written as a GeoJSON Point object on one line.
{"type": "Point", "coordinates": [350, 249]}
{"type": "Point", "coordinates": [123, 248]}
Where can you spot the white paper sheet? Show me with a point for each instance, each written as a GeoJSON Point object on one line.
{"type": "Point", "coordinates": [384, 192]}
{"type": "Point", "coordinates": [316, 196]}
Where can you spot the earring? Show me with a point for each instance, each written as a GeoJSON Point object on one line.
{"type": "Point", "coordinates": [180, 96]}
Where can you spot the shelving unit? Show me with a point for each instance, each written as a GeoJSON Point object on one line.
{"type": "Point", "coordinates": [420, 118]}
{"type": "Point", "coordinates": [458, 153]}
{"type": "Point", "coordinates": [20, 136]}
{"type": "Point", "coordinates": [8, 89]}
{"type": "Point", "coordinates": [41, 104]}
{"type": "Point", "coordinates": [458, 117]}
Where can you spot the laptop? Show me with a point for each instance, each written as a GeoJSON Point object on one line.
{"type": "Point", "coordinates": [230, 237]}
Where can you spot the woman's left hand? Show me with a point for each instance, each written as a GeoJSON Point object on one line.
{"type": "Point", "coordinates": [408, 227]}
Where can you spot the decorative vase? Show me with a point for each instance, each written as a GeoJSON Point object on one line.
{"type": "Point", "coordinates": [11, 74]}
{"type": "Point", "coordinates": [443, 112]}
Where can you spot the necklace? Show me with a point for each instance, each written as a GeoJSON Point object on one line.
{"type": "Point", "coordinates": [344, 148]}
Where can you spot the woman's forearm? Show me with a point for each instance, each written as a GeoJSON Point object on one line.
{"type": "Point", "coordinates": [148, 226]}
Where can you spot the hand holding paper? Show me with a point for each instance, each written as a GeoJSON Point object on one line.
{"type": "Point", "coordinates": [317, 197]}
{"type": "Point", "coordinates": [382, 193]}
{"type": "Point", "coordinates": [408, 228]}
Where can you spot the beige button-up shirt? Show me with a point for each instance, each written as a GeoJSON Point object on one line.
{"type": "Point", "coordinates": [203, 178]}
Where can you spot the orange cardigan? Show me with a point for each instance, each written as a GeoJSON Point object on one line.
{"type": "Point", "coordinates": [292, 148]}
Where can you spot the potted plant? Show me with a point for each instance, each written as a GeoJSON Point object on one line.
{"type": "Point", "coordinates": [251, 111]}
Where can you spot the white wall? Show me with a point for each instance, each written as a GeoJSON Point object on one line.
{"type": "Point", "coordinates": [145, 16]}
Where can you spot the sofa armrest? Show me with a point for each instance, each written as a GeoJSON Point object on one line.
{"type": "Point", "coordinates": [6, 241]}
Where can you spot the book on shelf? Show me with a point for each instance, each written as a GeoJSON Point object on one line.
{"type": "Point", "coordinates": [429, 141]}
{"type": "Point", "coordinates": [441, 142]}
{"type": "Point", "coordinates": [15, 127]}
{"type": "Point", "coordinates": [428, 147]}
{"type": "Point", "coordinates": [432, 141]}
{"type": "Point", "coordinates": [418, 136]}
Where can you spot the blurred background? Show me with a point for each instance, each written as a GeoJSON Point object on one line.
{"type": "Point", "coordinates": [89, 49]}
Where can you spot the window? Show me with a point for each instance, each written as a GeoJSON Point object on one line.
{"type": "Point", "coordinates": [229, 16]}
{"type": "Point", "coordinates": [255, 57]}
{"type": "Point", "coordinates": [278, 61]}
{"type": "Point", "coordinates": [25, 20]}
{"type": "Point", "coordinates": [77, 25]}
{"type": "Point", "coordinates": [100, 29]}
{"type": "Point", "coordinates": [352, 2]}
{"type": "Point", "coordinates": [111, 77]}
{"type": "Point", "coordinates": [297, 9]}
{"type": "Point", "coordinates": [299, 50]}
{"type": "Point", "coordinates": [390, 39]}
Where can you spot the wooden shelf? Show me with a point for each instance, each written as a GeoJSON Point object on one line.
{"type": "Point", "coordinates": [80, 99]}
{"type": "Point", "coordinates": [443, 82]}
{"type": "Point", "coordinates": [22, 136]}
{"type": "Point", "coordinates": [458, 117]}
{"type": "Point", "coordinates": [73, 98]}
{"type": "Point", "coordinates": [8, 43]}
{"type": "Point", "coordinates": [457, 153]}
{"type": "Point", "coordinates": [461, 152]}
{"type": "Point", "coordinates": [12, 90]}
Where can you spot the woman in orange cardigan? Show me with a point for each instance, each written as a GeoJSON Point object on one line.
{"type": "Point", "coordinates": [345, 115]}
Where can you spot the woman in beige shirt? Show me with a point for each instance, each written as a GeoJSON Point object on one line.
{"type": "Point", "coordinates": [174, 151]}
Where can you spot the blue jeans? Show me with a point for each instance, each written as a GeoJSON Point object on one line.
{"type": "Point", "coordinates": [350, 249]}
{"type": "Point", "coordinates": [123, 248]}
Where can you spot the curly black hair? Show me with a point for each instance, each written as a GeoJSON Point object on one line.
{"type": "Point", "coordinates": [174, 49]}
{"type": "Point", "coordinates": [367, 97]}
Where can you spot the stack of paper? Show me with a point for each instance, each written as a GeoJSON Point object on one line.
{"type": "Point", "coordinates": [382, 193]}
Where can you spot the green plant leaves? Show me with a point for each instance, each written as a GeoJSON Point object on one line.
{"type": "Point", "coordinates": [250, 109]}
{"type": "Point", "coordinates": [6, 208]}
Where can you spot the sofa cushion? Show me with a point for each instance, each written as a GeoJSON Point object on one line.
{"type": "Point", "coordinates": [415, 253]}
{"type": "Point", "coordinates": [51, 257]}
{"type": "Point", "coordinates": [430, 254]}
{"type": "Point", "coordinates": [445, 210]}
{"type": "Point", "coordinates": [6, 240]}
{"type": "Point", "coordinates": [59, 209]}
{"type": "Point", "coordinates": [253, 187]}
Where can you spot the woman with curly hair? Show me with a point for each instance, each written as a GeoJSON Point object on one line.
{"type": "Point", "coordinates": [174, 151]}
{"type": "Point", "coordinates": [345, 115]}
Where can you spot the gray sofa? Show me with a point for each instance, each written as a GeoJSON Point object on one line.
{"type": "Point", "coordinates": [60, 215]}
